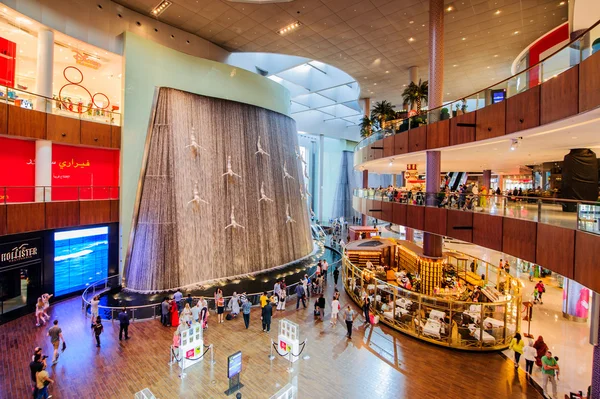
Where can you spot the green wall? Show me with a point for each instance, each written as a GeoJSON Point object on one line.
{"type": "Point", "coordinates": [148, 66]}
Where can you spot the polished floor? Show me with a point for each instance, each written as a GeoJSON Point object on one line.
{"type": "Point", "coordinates": [376, 363]}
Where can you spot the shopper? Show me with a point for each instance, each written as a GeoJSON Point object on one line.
{"type": "Point", "coordinates": [56, 336]}
{"type": "Point", "coordinates": [517, 345]}
{"type": "Point", "coordinates": [246, 305]}
{"type": "Point", "coordinates": [189, 300]}
{"type": "Point", "coordinates": [177, 297]}
{"type": "Point", "coordinates": [98, 328]}
{"type": "Point", "coordinates": [164, 312]}
{"type": "Point", "coordinates": [282, 299]}
{"type": "Point", "coordinates": [349, 318]}
{"type": "Point", "coordinates": [39, 313]}
{"type": "Point", "coordinates": [529, 353]}
{"type": "Point", "coordinates": [365, 305]}
{"type": "Point", "coordinates": [46, 299]}
{"type": "Point", "coordinates": [277, 290]}
{"type": "Point", "coordinates": [540, 348]}
{"type": "Point", "coordinates": [94, 305]}
{"type": "Point", "coordinates": [196, 312]}
{"type": "Point", "coordinates": [203, 312]}
{"type": "Point", "coordinates": [300, 296]}
{"type": "Point", "coordinates": [320, 306]}
{"type": "Point", "coordinates": [549, 369]}
{"type": "Point", "coordinates": [540, 289]}
{"type": "Point", "coordinates": [174, 311]}
{"type": "Point", "coordinates": [36, 365]}
{"type": "Point", "coordinates": [335, 308]}
{"type": "Point", "coordinates": [186, 314]}
{"type": "Point", "coordinates": [42, 382]}
{"type": "Point", "coordinates": [124, 324]}
{"type": "Point", "coordinates": [267, 312]}
{"type": "Point", "coordinates": [234, 305]}
{"type": "Point", "coordinates": [336, 274]}
{"type": "Point", "coordinates": [220, 304]}
{"type": "Point", "coordinates": [324, 267]}
{"type": "Point", "coordinates": [306, 285]}
{"type": "Point", "coordinates": [264, 299]}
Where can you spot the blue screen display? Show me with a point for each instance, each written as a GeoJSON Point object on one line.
{"type": "Point", "coordinates": [234, 364]}
{"type": "Point", "coordinates": [80, 258]}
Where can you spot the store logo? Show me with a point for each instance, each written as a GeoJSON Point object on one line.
{"type": "Point", "coordinates": [86, 60]}
{"type": "Point", "coordinates": [19, 254]}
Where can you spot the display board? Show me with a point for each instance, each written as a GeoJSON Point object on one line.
{"type": "Point", "coordinates": [234, 364]}
{"type": "Point", "coordinates": [288, 339]}
{"type": "Point", "coordinates": [17, 170]}
{"type": "Point", "coordinates": [191, 346]}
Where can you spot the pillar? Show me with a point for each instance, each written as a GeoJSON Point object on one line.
{"type": "Point", "coordinates": [394, 178]}
{"type": "Point", "coordinates": [44, 69]}
{"type": "Point", "coordinates": [432, 243]}
{"type": "Point", "coordinates": [401, 182]}
{"type": "Point", "coordinates": [365, 184]}
{"type": "Point", "coordinates": [413, 74]}
{"type": "Point", "coordinates": [487, 178]}
{"type": "Point", "coordinates": [321, 161]}
{"type": "Point", "coordinates": [436, 57]}
{"type": "Point", "coordinates": [43, 170]}
{"type": "Point", "coordinates": [595, 340]}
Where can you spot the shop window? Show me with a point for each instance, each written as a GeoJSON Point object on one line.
{"type": "Point", "coordinates": [80, 258]}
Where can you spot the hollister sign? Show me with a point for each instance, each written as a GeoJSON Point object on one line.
{"type": "Point", "coordinates": [19, 252]}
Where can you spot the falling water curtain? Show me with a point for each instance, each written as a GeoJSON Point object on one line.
{"type": "Point", "coordinates": [342, 202]}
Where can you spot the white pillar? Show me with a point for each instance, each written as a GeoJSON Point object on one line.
{"type": "Point", "coordinates": [321, 160]}
{"type": "Point", "coordinates": [45, 69]}
{"type": "Point", "coordinates": [413, 73]}
{"type": "Point", "coordinates": [43, 171]}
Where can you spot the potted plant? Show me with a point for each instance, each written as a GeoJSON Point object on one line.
{"type": "Point", "coordinates": [383, 111]}
{"type": "Point", "coordinates": [463, 107]}
{"type": "Point", "coordinates": [444, 114]}
{"type": "Point", "coordinates": [458, 110]}
{"type": "Point", "coordinates": [416, 94]}
{"type": "Point", "coordinates": [366, 127]}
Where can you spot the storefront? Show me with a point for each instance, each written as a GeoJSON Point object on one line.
{"type": "Point", "coordinates": [59, 262]}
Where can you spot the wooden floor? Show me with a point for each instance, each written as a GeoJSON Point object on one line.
{"type": "Point", "coordinates": [376, 363]}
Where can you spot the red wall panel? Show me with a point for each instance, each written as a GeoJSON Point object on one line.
{"type": "Point", "coordinates": [8, 50]}
{"type": "Point", "coordinates": [17, 170]}
{"type": "Point", "coordinates": [84, 173]}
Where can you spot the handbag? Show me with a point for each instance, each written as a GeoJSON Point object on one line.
{"type": "Point", "coordinates": [64, 346]}
{"type": "Point", "coordinates": [317, 313]}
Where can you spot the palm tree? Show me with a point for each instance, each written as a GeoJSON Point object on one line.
{"type": "Point", "coordinates": [367, 125]}
{"type": "Point", "coordinates": [416, 94]}
{"type": "Point", "coordinates": [383, 111]}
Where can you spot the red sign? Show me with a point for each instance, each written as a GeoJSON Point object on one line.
{"type": "Point", "coordinates": [84, 173]}
{"type": "Point", "coordinates": [17, 170]}
{"type": "Point", "coordinates": [412, 113]}
{"type": "Point", "coordinates": [283, 345]}
{"type": "Point", "coordinates": [189, 354]}
{"type": "Point", "coordinates": [8, 54]}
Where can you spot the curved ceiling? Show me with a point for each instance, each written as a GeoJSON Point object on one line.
{"type": "Point", "coordinates": [375, 41]}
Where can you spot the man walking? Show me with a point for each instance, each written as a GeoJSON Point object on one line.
{"type": "Point", "coordinates": [336, 274]}
{"type": "Point", "coordinates": [55, 334]}
{"type": "Point", "coordinates": [164, 312]}
{"type": "Point", "coordinates": [300, 296]}
{"type": "Point", "coordinates": [123, 324]}
{"type": "Point", "coordinates": [549, 368]}
{"type": "Point", "coordinates": [349, 318]}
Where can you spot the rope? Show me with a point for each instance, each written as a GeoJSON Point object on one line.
{"type": "Point", "coordinates": [303, 345]}
{"type": "Point", "coordinates": [193, 358]}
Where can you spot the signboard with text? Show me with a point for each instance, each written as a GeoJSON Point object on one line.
{"type": "Point", "coordinates": [19, 252]}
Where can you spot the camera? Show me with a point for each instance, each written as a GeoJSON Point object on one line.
{"type": "Point", "coordinates": [44, 357]}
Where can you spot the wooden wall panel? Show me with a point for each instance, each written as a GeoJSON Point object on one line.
{"type": "Point", "coordinates": [399, 214]}
{"type": "Point", "coordinates": [589, 83]}
{"type": "Point", "coordinates": [62, 214]}
{"type": "Point", "coordinates": [555, 249]}
{"type": "Point", "coordinates": [491, 121]}
{"type": "Point", "coordinates": [487, 231]}
{"type": "Point", "coordinates": [370, 205]}
{"type": "Point", "coordinates": [94, 212]}
{"type": "Point", "coordinates": [3, 230]}
{"type": "Point", "coordinates": [417, 139]}
{"type": "Point", "coordinates": [114, 210]}
{"type": "Point", "coordinates": [387, 211]}
{"type": "Point", "coordinates": [115, 136]}
{"type": "Point", "coordinates": [21, 218]}
{"type": "Point", "coordinates": [3, 118]}
{"type": "Point", "coordinates": [363, 206]}
{"type": "Point", "coordinates": [438, 134]}
{"type": "Point", "coordinates": [523, 110]}
{"type": "Point", "coordinates": [364, 154]}
{"type": "Point", "coordinates": [388, 146]}
{"type": "Point", "coordinates": [95, 134]}
{"type": "Point", "coordinates": [460, 225]}
{"type": "Point", "coordinates": [356, 204]}
{"type": "Point", "coordinates": [461, 135]}
{"type": "Point", "coordinates": [415, 217]}
{"type": "Point", "coordinates": [519, 238]}
{"type": "Point", "coordinates": [63, 130]}
{"type": "Point", "coordinates": [559, 96]}
{"type": "Point", "coordinates": [376, 150]}
{"type": "Point", "coordinates": [435, 220]}
{"type": "Point", "coordinates": [26, 123]}
{"type": "Point", "coordinates": [587, 253]}
{"type": "Point", "coordinates": [401, 143]}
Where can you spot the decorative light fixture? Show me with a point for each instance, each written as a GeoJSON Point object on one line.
{"type": "Point", "coordinates": [289, 28]}
{"type": "Point", "coordinates": [515, 143]}
{"type": "Point", "coordinates": [160, 8]}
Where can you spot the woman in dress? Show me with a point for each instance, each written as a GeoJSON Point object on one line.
{"type": "Point", "coordinates": [39, 313]}
{"type": "Point", "coordinates": [234, 304]}
{"type": "Point", "coordinates": [174, 314]}
{"type": "Point", "coordinates": [541, 349]}
{"type": "Point", "coordinates": [203, 312]}
{"type": "Point", "coordinates": [46, 300]}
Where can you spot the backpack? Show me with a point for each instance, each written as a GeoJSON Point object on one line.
{"type": "Point", "coordinates": [229, 317]}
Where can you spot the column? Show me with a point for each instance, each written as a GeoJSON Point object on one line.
{"type": "Point", "coordinates": [432, 243]}
{"type": "Point", "coordinates": [413, 74]}
{"type": "Point", "coordinates": [401, 182]}
{"type": "Point", "coordinates": [394, 177]}
{"type": "Point", "coordinates": [44, 69]}
{"type": "Point", "coordinates": [365, 184]}
{"type": "Point", "coordinates": [595, 340]}
{"type": "Point", "coordinates": [43, 170]}
{"type": "Point", "coordinates": [487, 178]}
{"type": "Point", "coordinates": [321, 161]}
{"type": "Point", "coordinates": [436, 55]}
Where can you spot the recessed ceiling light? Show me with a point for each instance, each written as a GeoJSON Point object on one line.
{"type": "Point", "coordinates": [464, 38]}
{"type": "Point", "coordinates": [495, 55]}
{"type": "Point", "coordinates": [411, 22]}
{"type": "Point", "coordinates": [488, 67]}
{"type": "Point", "coordinates": [374, 84]}
{"type": "Point", "coordinates": [497, 12]}
{"type": "Point", "coordinates": [455, 65]}
{"type": "Point", "coordinates": [516, 32]}
{"type": "Point", "coordinates": [290, 27]}
{"type": "Point", "coordinates": [574, 137]}
{"type": "Point", "coordinates": [387, 71]}
{"type": "Point", "coordinates": [160, 8]}
{"type": "Point", "coordinates": [449, 8]}
{"type": "Point", "coordinates": [411, 39]}
{"type": "Point", "coordinates": [562, 3]}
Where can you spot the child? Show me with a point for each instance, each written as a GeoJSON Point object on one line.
{"type": "Point", "coordinates": [558, 369]}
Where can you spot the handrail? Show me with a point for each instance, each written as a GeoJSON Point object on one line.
{"type": "Point", "coordinates": [360, 145]}
{"type": "Point", "coordinates": [86, 302]}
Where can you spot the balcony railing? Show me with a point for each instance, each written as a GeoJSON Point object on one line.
{"type": "Point", "coordinates": [14, 194]}
{"type": "Point", "coordinates": [572, 214]}
{"type": "Point", "coordinates": [568, 56]}
{"type": "Point", "coordinates": [71, 108]}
